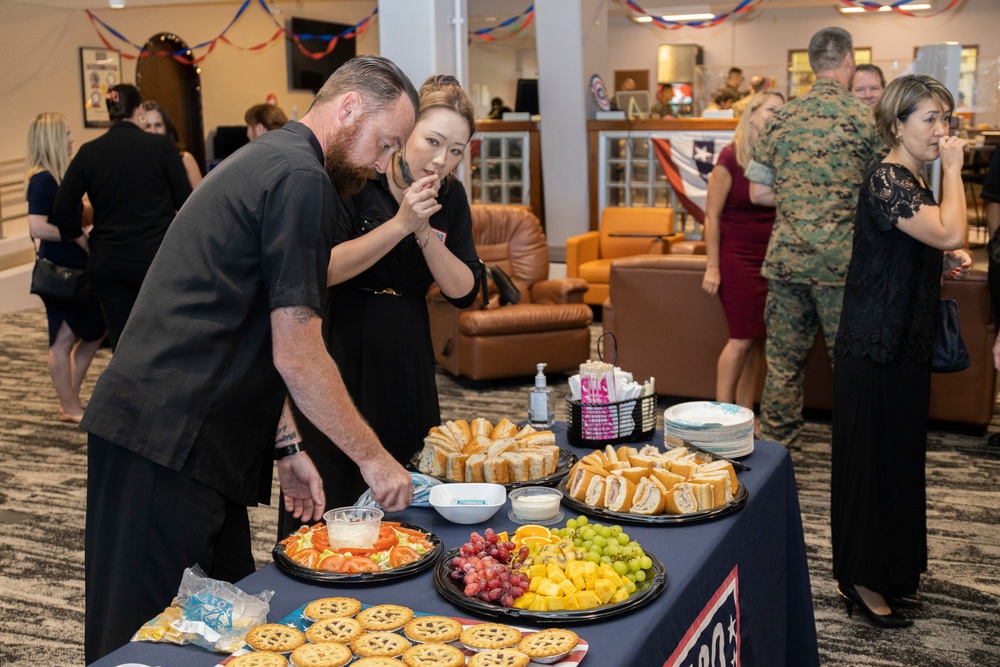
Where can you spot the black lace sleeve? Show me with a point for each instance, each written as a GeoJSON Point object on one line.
{"type": "Point", "coordinates": [896, 193]}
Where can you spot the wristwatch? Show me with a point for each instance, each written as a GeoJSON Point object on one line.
{"type": "Point", "coordinates": [287, 450]}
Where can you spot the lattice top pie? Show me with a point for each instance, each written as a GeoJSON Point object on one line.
{"type": "Point", "coordinates": [385, 617]}
{"type": "Point", "coordinates": [433, 629]}
{"type": "Point", "coordinates": [317, 610]}
{"type": "Point", "coordinates": [342, 630]}
{"type": "Point", "coordinates": [275, 637]}
{"type": "Point", "coordinates": [387, 644]}
{"type": "Point", "coordinates": [490, 635]}
{"type": "Point", "coordinates": [328, 654]}
{"type": "Point", "coordinates": [433, 655]}
{"type": "Point", "coordinates": [262, 659]}
{"type": "Point", "coordinates": [501, 657]}
{"type": "Point", "coordinates": [377, 661]}
{"type": "Point", "coordinates": [548, 643]}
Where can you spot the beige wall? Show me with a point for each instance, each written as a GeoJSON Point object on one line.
{"type": "Point", "coordinates": [39, 49]}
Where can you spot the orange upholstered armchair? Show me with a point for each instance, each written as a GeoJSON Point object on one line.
{"type": "Point", "coordinates": [549, 324]}
{"type": "Point", "coordinates": [623, 232]}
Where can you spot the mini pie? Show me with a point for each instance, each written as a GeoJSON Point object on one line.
{"type": "Point", "coordinates": [385, 617]}
{"type": "Point", "coordinates": [256, 659]}
{"type": "Point", "coordinates": [377, 661]}
{"type": "Point", "coordinates": [490, 636]}
{"type": "Point", "coordinates": [341, 630]}
{"type": "Point", "coordinates": [275, 638]}
{"type": "Point", "coordinates": [501, 657]}
{"type": "Point", "coordinates": [548, 643]}
{"type": "Point", "coordinates": [387, 644]}
{"type": "Point", "coordinates": [433, 655]}
{"type": "Point", "coordinates": [317, 610]}
{"type": "Point", "coordinates": [328, 654]}
{"type": "Point", "coordinates": [432, 629]}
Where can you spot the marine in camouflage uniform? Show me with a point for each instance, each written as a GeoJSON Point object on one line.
{"type": "Point", "coordinates": [814, 152]}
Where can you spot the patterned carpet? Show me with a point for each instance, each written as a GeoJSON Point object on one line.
{"type": "Point", "coordinates": [42, 500]}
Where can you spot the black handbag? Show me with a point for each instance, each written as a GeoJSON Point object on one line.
{"type": "Point", "coordinates": [58, 282]}
{"type": "Point", "coordinates": [509, 293]}
{"type": "Point", "coordinates": [950, 353]}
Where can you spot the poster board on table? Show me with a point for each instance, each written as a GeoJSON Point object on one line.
{"type": "Point", "coordinates": [100, 69]}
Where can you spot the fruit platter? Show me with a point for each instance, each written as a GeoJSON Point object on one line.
{"type": "Point", "coordinates": [580, 571]}
{"type": "Point", "coordinates": [402, 549]}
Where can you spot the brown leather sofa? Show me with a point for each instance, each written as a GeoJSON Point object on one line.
{"type": "Point", "coordinates": [668, 328]}
{"type": "Point", "coordinates": [549, 324]}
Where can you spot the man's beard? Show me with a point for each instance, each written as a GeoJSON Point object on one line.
{"type": "Point", "coordinates": [347, 179]}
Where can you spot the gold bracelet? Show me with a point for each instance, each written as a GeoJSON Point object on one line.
{"type": "Point", "coordinates": [427, 238]}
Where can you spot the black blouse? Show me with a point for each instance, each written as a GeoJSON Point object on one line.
{"type": "Point", "coordinates": [894, 280]}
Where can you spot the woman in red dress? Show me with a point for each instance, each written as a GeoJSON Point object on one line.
{"type": "Point", "coordinates": [736, 235]}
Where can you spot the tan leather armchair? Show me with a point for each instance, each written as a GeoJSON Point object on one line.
{"type": "Point", "coordinates": [623, 232]}
{"type": "Point", "coordinates": [549, 324]}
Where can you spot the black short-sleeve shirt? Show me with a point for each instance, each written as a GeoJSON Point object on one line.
{"type": "Point", "coordinates": [193, 374]}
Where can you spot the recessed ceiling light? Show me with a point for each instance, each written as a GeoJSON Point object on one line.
{"type": "Point", "coordinates": [885, 8]}
{"type": "Point", "coordinates": [116, 4]}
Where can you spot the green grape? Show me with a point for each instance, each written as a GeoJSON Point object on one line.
{"type": "Point", "coordinates": [596, 549]}
{"type": "Point", "coordinates": [631, 550]}
{"type": "Point", "coordinates": [633, 564]}
{"type": "Point", "coordinates": [645, 562]}
{"type": "Point", "coordinates": [587, 544]}
{"type": "Point", "coordinates": [630, 576]}
{"type": "Point", "coordinates": [640, 576]}
{"type": "Point", "coordinates": [571, 524]}
{"type": "Point", "coordinates": [612, 549]}
{"type": "Point", "coordinates": [577, 542]}
{"type": "Point", "coordinates": [623, 538]}
{"type": "Point", "coordinates": [581, 520]}
{"type": "Point", "coordinates": [593, 557]}
{"type": "Point", "coordinates": [604, 532]}
{"type": "Point", "coordinates": [620, 567]}
{"type": "Point", "coordinates": [616, 530]}
{"type": "Point", "coordinates": [629, 586]}
{"type": "Point", "coordinates": [606, 559]}
{"type": "Point", "coordinates": [588, 534]}
{"type": "Point", "coordinates": [600, 541]}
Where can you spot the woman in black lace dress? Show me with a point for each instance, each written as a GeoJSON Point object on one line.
{"type": "Point", "coordinates": [884, 347]}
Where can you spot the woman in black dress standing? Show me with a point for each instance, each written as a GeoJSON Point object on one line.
{"type": "Point", "coordinates": [884, 347]}
{"type": "Point", "coordinates": [136, 182]}
{"type": "Point", "coordinates": [406, 229]}
{"type": "Point", "coordinates": [75, 329]}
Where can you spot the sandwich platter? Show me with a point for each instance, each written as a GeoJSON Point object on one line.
{"type": "Point", "coordinates": [720, 428]}
{"type": "Point", "coordinates": [738, 501]}
{"type": "Point", "coordinates": [566, 461]}
{"type": "Point", "coordinates": [646, 592]}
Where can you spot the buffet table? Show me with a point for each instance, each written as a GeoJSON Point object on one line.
{"type": "Point", "coordinates": [738, 586]}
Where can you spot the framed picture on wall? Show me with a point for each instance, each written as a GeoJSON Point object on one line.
{"type": "Point", "coordinates": [100, 69]}
{"type": "Point", "coordinates": [800, 74]}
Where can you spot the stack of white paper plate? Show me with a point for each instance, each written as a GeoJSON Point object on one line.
{"type": "Point", "coordinates": [721, 428]}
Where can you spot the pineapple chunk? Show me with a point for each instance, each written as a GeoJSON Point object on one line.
{"type": "Point", "coordinates": [524, 602]}
{"type": "Point", "coordinates": [555, 574]}
{"type": "Point", "coordinates": [621, 594]}
{"type": "Point", "coordinates": [567, 587]}
{"type": "Point", "coordinates": [534, 583]}
{"type": "Point", "coordinates": [589, 567]}
{"type": "Point", "coordinates": [539, 604]}
{"type": "Point", "coordinates": [571, 601]}
{"type": "Point", "coordinates": [588, 599]}
{"type": "Point", "coordinates": [536, 571]}
{"type": "Point", "coordinates": [548, 588]}
{"type": "Point", "coordinates": [554, 603]}
{"type": "Point", "coordinates": [604, 588]}
{"type": "Point", "coordinates": [579, 582]}
{"type": "Point", "coordinates": [574, 569]}
{"type": "Point", "coordinates": [608, 572]}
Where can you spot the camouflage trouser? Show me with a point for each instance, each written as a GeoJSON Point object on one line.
{"type": "Point", "coordinates": [793, 314]}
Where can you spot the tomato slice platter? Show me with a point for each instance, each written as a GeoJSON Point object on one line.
{"type": "Point", "coordinates": [401, 550]}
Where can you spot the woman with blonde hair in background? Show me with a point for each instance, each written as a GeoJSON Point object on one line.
{"type": "Point", "coordinates": [76, 329]}
{"type": "Point", "coordinates": [737, 232]}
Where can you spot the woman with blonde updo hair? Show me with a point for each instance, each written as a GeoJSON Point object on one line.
{"type": "Point", "coordinates": [737, 232]}
{"type": "Point", "coordinates": [76, 329]}
{"type": "Point", "coordinates": [135, 181]}
{"type": "Point", "coordinates": [404, 230]}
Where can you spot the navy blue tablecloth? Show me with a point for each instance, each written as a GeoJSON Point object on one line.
{"type": "Point", "coordinates": [738, 584]}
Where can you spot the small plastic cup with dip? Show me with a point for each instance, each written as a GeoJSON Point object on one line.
{"type": "Point", "coordinates": [356, 527]}
{"type": "Point", "coordinates": [535, 504]}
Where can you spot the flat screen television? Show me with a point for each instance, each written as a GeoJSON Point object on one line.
{"type": "Point", "coordinates": [305, 73]}
{"type": "Point", "coordinates": [527, 96]}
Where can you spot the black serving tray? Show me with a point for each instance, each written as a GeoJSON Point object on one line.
{"type": "Point", "coordinates": [566, 461]}
{"type": "Point", "coordinates": [291, 568]}
{"type": "Point", "coordinates": [645, 592]}
{"type": "Point", "coordinates": [734, 505]}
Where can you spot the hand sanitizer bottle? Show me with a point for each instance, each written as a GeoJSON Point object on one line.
{"type": "Point", "coordinates": [540, 413]}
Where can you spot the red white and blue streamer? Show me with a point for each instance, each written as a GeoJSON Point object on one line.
{"type": "Point", "coordinates": [899, 7]}
{"type": "Point", "coordinates": [742, 8]}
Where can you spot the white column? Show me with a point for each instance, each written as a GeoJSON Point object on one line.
{"type": "Point", "coordinates": [572, 39]}
{"type": "Point", "coordinates": [425, 37]}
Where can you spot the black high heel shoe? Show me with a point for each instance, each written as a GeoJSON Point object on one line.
{"type": "Point", "coordinates": [853, 599]}
{"type": "Point", "coordinates": [904, 602]}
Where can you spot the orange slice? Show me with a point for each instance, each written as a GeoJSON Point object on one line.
{"type": "Point", "coordinates": [531, 530]}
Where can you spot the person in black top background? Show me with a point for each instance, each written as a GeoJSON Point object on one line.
{"type": "Point", "coordinates": [395, 238]}
{"type": "Point", "coordinates": [991, 193]}
{"type": "Point", "coordinates": [75, 329]}
{"type": "Point", "coordinates": [881, 386]}
{"type": "Point", "coordinates": [136, 182]}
